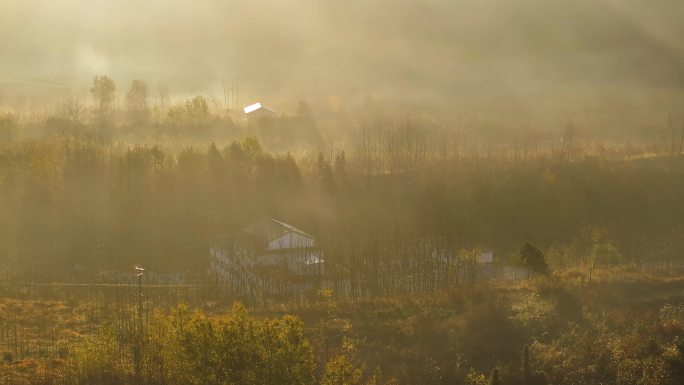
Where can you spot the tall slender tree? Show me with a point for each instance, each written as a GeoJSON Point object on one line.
{"type": "Point", "coordinates": [103, 91]}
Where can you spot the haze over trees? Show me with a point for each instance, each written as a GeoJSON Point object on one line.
{"type": "Point", "coordinates": [402, 208]}
{"type": "Point", "coordinates": [472, 192]}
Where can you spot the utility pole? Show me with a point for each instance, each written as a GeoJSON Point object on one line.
{"type": "Point", "coordinates": [139, 274]}
{"type": "Point", "coordinates": [139, 341]}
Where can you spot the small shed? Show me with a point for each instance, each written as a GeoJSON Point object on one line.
{"type": "Point", "coordinates": [257, 111]}
{"type": "Point", "coordinates": [485, 261]}
{"type": "Point", "coordinates": [485, 257]}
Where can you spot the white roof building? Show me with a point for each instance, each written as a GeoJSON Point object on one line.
{"type": "Point", "coordinates": [257, 110]}
{"type": "Point", "coordinates": [270, 242]}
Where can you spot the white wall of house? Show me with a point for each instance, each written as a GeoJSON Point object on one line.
{"type": "Point", "coordinates": [485, 257]}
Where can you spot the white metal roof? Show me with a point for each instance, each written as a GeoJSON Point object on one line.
{"type": "Point", "coordinates": [269, 229]}
{"type": "Point", "coordinates": [292, 228]}
{"type": "Point", "coordinates": [252, 107]}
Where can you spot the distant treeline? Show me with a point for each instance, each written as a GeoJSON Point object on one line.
{"type": "Point", "coordinates": [87, 201]}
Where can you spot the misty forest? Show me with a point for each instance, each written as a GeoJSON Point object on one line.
{"type": "Point", "coordinates": [377, 192]}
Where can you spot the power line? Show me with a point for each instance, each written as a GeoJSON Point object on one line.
{"type": "Point", "coordinates": [32, 83]}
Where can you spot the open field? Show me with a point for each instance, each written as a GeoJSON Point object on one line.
{"type": "Point", "coordinates": [440, 338]}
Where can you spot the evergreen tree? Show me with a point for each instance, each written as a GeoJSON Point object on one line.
{"type": "Point", "coordinates": [495, 380]}
{"type": "Point", "coordinates": [533, 258]}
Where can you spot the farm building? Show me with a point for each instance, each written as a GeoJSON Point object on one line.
{"type": "Point", "coordinates": [268, 257]}
{"type": "Point", "coordinates": [485, 261]}
{"type": "Point", "coordinates": [257, 111]}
